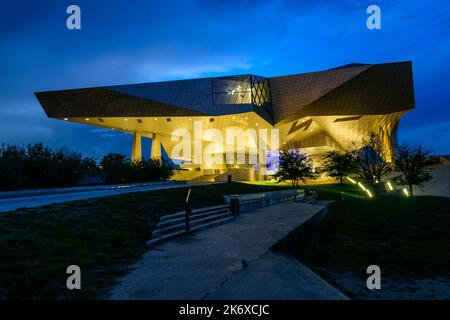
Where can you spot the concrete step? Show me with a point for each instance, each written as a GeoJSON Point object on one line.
{"type": "Point", "coordinates": [165, 237]}
{"type": "Point", "coordinates": [212, 224]}
{"type": "Point", "coordinates": [193, 217]}
{"type": "Point", "coordinates": [160, 230]}
{"type": "Point", "coordinates": [193, 212]}
{"type": "Point", "coordinates": [203, 226]}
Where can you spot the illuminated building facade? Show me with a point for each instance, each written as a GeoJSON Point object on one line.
{"type": "Point", "coordinates": [319, 111]}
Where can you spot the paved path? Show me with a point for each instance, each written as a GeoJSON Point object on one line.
{"type": "Point", "coordinates": [439, 185]}
{"type": "Point", "coordinates": [19, 199]}
{"type": "Point", "coordinates": [209, 264]}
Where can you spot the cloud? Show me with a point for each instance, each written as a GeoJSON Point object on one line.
{"type": "Point", "coordinates": [299, 7]}
{"type": "Point", "coordinates": [18, 107]}
{"type": "Point", "coordinates": [157, 70]}
{"type": "Point", "coordinates": [431, 136]}
{"type": "Point", "coordinates": [100, 130]}
{"type": "Point", "coordinates": [24, 129]}
{"type": "Point", "coordinates": [166, 62]}
{"type": "Point", "coordinates": [108, 135]}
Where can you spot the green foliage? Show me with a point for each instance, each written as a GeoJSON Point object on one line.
{"type": "Point", "coordinates": [373, 161]}
{"type": "Point", "coordinates": [156, 169]}
{"type": "Point", "coordinates": [336, 191]}
{"type": "Point", "coordinates": [295, 166]}
{"type": "Point", "coordinates": [406, 237]}
{"type": "Point", "coordinates": [37, 166]}
{"type": "Point", "coordinates": [339, 164]}
{"type": "Point", "coordinates": [118, 169]}
{"type": "Point", "coordinates": [115, 167]}
{"type": "Point", "coordinates": [413, 163]}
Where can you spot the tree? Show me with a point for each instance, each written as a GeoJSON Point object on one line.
{"type": "Point", "coordinates": [372, 160]}
{"type": "Point", "coordinates": [12, 163]}
{"type": "Point", "coordinates": [67, 168]}
{"type": "Point", "coordinates": [39, 166]}
{"type": "Point", "coordinates": [116, 167]}
{"type": "Point", "coordinates": [158, 169]}
{"type": "Point", "coordinates": [413, 163]}
{"type": "Point", "coordinates": [295, 166]}
{"type": "Point", "coordinates": [150, 170]}
{"type": "Point", "coordinates": [90, 167]}
{"type": "Point", "coordinates": [339, 164]}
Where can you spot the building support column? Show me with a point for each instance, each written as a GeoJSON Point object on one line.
{"type": "Point", "coordinates": [155, 152]}
{"type": "Point", "coordinates": [262, 164]}
{"type": "Point", "coordinates": [262, 173]}
{"type": "Point", "coordinates": [136, 151]}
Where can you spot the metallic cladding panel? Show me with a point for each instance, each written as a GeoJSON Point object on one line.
{"type": "Point", "coordinates": [354, 90]}
{"type": "Point", "coordinates": [349, 90]}
{"type": "Point", "coordinates": [290, 94]}
{"type": "Point", "coordinates": [381, 89]}
{"type": "Point", "coordinates": [100, 102]}
{"type": "Point", "coordinates": [194, 94]}
{"type": "Point", "coordinates": [170, 98]}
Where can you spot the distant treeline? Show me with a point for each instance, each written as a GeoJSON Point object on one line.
{"type": "Point", "coordinates": [38, 166]}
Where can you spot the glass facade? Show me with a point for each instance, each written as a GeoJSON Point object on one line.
{"type": "Point", "coordinates": [246, 89]}
{"type": "Point", "coordinates": [260, 91]}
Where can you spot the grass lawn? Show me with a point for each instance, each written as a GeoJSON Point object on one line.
{"type": "Point", "coordinates": [100, 235]}
{"type": "Point", "coordinates": [335, 191]}
{"type": "Point", "coordinates": [406, 237]}
{"type": "Point", "coordinates": [325, 191]}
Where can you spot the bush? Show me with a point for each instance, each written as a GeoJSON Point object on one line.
{"type": "Point", "coordinates": [295, 166]}
{"type": "Point", "coordinates": [339, 164]}
{"type": "Point", "coordinates": [37, 166]}
{"type": "Point", "coordinates": [118, 169]}
{"type": "Point", "coordinates": [12, 164]}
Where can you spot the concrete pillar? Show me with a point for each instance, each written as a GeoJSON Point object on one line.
{"type": "Point", "coordinates": [136, 151]}
{"type": "Point", "coordinates": [155, 152]}
{"type": "Point", "coordinates": [262, 164]}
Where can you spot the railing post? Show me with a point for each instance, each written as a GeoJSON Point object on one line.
{"type": "Point", "coordinates": [234, 206]}
{"type": "Point", "coordinates": [187, 212]}
{"type": "Point", "coordinates": [315, 197]}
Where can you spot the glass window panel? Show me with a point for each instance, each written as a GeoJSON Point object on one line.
{"type": "Point", "coordinates": [232, 90]}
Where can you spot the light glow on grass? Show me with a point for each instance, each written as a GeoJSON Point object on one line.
{"type": "Point", "coordinates": [365, 189]}
{"type": "Point", "coordinates": [405, 191]}
{"type": "Point", "coordinates": [351, 180]}
{"type": "Point", "coordinates": [362, 186]}
{"type": "Point", "coordinates": [389, 184]}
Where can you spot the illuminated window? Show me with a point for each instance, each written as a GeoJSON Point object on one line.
{"type": "Point", "coordinates": [246, 89]}
{"type": "Point", "coordinates": [260, 91]}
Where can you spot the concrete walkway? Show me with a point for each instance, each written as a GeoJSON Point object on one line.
{"type": "Point", "coordinates": [439, 185]}
{"type": "Point", "coordinates": [231, 261]}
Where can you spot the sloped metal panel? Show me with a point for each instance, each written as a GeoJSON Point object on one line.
{"type": "Point", "coordinates": [193, 94]}
{"type": "Point", "coordinates": [290, 94]}
{"type": "Point", "coordinates": [170, 98]}
{"type": "Point", "coordinates": [381, 89]}
{"type": "Point", "coordinates": [100, 102]}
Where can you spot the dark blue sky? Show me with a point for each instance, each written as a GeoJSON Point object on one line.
{"type": "Point", "coordinates": [139, 41]}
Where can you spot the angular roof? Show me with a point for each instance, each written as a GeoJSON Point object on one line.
{"type": "Point", "coordinates": [349, 90]}
{"type": "Point", "coordinates": [352, 89]}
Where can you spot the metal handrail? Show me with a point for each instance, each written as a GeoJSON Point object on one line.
{"type": "Point", "coordinates": [187, 212]}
